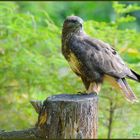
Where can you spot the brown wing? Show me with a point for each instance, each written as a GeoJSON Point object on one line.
{"type": "Point", "coordinates": [106, 59]}
{"type": "Point", "coordinates": [99, 56]}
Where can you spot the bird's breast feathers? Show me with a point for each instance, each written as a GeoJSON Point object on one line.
{"type": "Point", "coordinates": [74, 63]}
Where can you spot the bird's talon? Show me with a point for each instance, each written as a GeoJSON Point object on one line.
{"type": "Point", "coordinates": [93, 93]}
{"type": "Point", "coordinates": [82, 93]}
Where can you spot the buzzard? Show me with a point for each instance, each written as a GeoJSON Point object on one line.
{"type": "Point", "coordinates": [94, 60]}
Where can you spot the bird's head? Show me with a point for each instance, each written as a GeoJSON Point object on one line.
{"type": "Point", "coordinates": [73, 23]}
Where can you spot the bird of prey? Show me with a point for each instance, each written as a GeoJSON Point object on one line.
{"type": "Point", "coordinates": [94, 60]}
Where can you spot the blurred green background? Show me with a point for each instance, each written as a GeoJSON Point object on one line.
{"type": "Point", "coordinates": [33, 68]}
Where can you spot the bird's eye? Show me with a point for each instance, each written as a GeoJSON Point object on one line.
{"type": "Point", "coordinates": [73, 21]}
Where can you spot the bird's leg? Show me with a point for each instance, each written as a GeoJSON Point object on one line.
{"type": "Point", "coordinates": [97, 87]}
{"type": "Point", "coordinates": [90, 89]}
{"type": "Point", "coordinates": [94, 88]}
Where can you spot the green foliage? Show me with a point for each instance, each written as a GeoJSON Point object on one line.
{"type": "Point", "coordinates": [122, 9]}
{"type": "Point", "coordinates": [32, 66]}
{"type": "Point", "coordinates": [59, 10]}
{"type": "Point", "coordinates": [31, 62]}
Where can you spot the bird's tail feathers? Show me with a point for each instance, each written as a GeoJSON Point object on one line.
{"type": "Point", "coordinates": [136, 75]}
{"type": "Point", "coordinates": [129, 94]}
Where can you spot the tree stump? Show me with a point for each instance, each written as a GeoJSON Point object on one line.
{"type": "Point", "coordinates": [69, 116]}
{"type": "Point", "coordinates": [62, 116]}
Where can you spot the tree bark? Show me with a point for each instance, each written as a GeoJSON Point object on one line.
{"type": "Point", "coordinates": [63, 117]}
{"type": "Point", "coordinates": [28, 134]}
